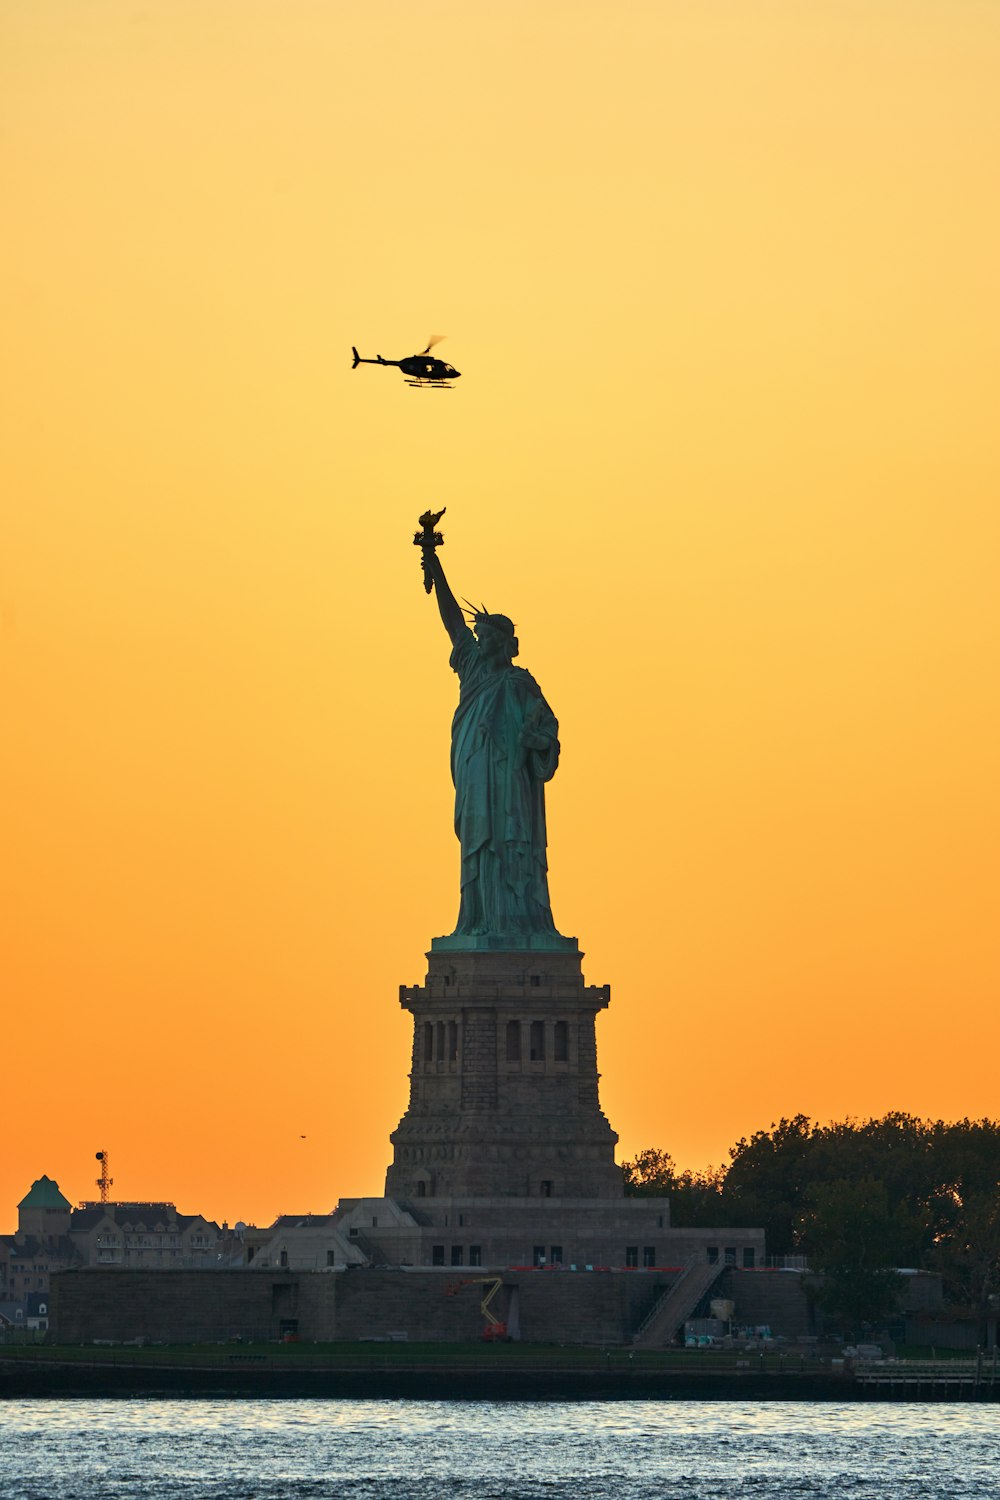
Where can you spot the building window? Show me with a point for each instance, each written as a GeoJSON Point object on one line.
{"type": "Point", "coordinates": [331, 1257]}
{"type": "Point", "coordinates": [632, 1255]}
{"type": "Point", "coordinates": [283, 1258]}
{"type": "Point", "coordinates": [421, 1189]}
{"type": "Point", "coordinates": [555, 1255]}
{"type": "Point", "coordinates": [730, 1255]}
{"type": "Point", "coordinates": [513, 1041]}
{"type": "Point", "coordinates": [536, 980]}
{"type": "Point", "coordinates": [649, 1255]}
{"type": "Point", "coordinates": [437, 1255]}
{"type": "Point", "coordinates": [475, 1255]}
{"type": "Point", "coordinates": [457, 1258]}
{"type": "Point", "coordinates": [440, 1041]}
{"type": "Point", "coordinates": [560, 1049]}
{"type": "Point", "coordinates": [545, 1187]}
{"type": "Point", "coordinates": [452, 1041]}
{"type": "Point", "coordinates": [536, 1048]}
{"type": "Point", "coordinates": [538, 1255]}
{"type": "Point", "coordinates": [428, 1042]}
{"type": "Point", "coordinates": [749, 1258]}
{"type": "Point", "coordinates": [713, 1255]}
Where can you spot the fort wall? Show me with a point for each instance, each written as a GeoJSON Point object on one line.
{"type": "Point", "coordinates": [434, 1306]}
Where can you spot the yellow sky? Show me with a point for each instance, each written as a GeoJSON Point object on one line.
{"type": "Point", "coordinates": [721, 280]}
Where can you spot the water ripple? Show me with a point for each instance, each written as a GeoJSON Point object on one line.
{"type": "Point", "coordinates": [403, 1450]}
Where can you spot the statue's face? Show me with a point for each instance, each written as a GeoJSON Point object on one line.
{"type": "Point", "coordinates": [493, 644]}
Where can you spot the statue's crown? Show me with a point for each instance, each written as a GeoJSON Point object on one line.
{"type": "Point", "coordinates": [503, 623]}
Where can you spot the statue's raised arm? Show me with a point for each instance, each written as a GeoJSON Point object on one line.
{"type": "Point", "coordinates": [428, 539]}
{"type": "Point", "coordinates": [504, 747]}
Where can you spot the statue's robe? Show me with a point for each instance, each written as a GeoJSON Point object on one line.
{"type": "Point", "coordinates": [499, 795]}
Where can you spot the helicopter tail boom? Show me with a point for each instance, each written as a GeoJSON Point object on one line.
{"type": "Point", "coordinates": [359, 359]}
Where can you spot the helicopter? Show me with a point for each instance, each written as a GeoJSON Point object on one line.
{"type": "Point", "coordinates": [417, 368]}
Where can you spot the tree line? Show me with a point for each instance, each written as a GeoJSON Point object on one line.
{"type": "Point", "coordinates": [859, 1198]}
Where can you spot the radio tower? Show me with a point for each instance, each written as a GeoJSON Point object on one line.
{"type": "Point", "coordinates": [104, 1181]}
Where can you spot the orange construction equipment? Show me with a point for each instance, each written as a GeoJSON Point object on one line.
{"type": "Point", "coordinates": [495, 1329]}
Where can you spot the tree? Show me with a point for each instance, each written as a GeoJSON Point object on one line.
{"type": "Point", "coordinates": [695, 1197]}
{"type": "Point", "coordinates": [961, 1210]}
{"type": "Point", "coordinates": [938, 1183]}
{"type": "Point", "coordinates": [969, 1258]}
{"type": "Point", "coordinates": [768, 1179]}
{"type": "Point", "coordinates": [856, 1239]}
{"type": "Point", "coordinates": [649, 1174]}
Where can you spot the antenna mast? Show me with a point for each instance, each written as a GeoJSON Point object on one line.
{"type": "Point", "coordinates": [104, 1181]}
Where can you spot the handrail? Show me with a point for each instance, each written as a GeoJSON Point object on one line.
{"type": "Point", "coordinates": [689, 1266]}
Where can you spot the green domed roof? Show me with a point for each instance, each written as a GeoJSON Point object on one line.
{"type": "Point", "coordinates": [45, 1194]}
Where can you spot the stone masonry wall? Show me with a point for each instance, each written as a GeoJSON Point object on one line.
{"type": "Point", "coordinates": [777, 1298]}
{"type": "Point", "coordinates": [433, 1306]}
{"type": "Point", "coordinates": [187, 1306]}
{"type": "Point", "coordinates": [504, 1084]}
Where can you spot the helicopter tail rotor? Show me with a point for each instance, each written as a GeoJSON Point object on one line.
{"type": "Point", "coordinates": [357, 358]}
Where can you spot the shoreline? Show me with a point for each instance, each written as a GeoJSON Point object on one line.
{"type": "Point", "coordinates": [54, 1379]}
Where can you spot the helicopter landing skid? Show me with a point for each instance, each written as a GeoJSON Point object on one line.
{"type": "Point", "coordinates": [431, 385]}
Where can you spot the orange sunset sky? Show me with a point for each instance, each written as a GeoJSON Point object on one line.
{"type": "Point", "coordinates": [721, 278]}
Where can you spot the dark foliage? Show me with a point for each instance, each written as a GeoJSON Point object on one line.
{"type": "Point", "coordinates": [859, 1198]}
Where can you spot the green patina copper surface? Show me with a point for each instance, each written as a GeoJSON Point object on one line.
{"type": "Point", "coordinates": [504, 748]}
{"type": "Point", "coordinates": [44, 1193]}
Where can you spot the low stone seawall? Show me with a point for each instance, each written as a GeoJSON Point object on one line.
{"type": "Point", "coordinates": [44, 1379]}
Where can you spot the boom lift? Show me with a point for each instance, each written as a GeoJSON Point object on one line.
{"type": "Point", "coordinates": [495, 1330]}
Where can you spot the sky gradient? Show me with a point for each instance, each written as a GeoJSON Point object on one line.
{"type": "Point", "coordinates": [721, 280]}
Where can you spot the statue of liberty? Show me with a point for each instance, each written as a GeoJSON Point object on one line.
{"type": "Point", "coordinates": [504, 748]}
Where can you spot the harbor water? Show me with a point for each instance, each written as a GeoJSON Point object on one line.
{"type": "Point", "coordinates": [411, 1450]}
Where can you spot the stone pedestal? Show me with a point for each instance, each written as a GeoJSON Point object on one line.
{"type": "Point", "coordinates": [503, 1086]}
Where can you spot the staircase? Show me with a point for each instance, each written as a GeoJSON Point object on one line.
{"type": "Point", "coordinates": [370, 1251]}
{"type": "Point", "coordinates": [676, 1304]}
